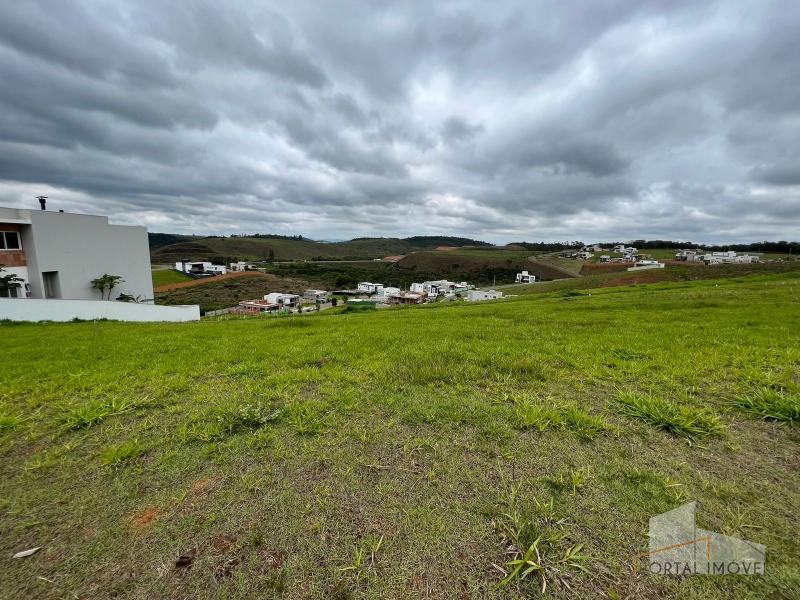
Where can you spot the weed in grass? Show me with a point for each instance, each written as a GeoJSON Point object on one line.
{"type": "Point", "coordinates": [9, 421]}
{"type": "Point", "coordinates": [768, 403]}
{"type": "Point", "coordinates": [533, 415]}
{"type": "Point", "coordinates": [684, 421]}
{"type": "Point", "coordinates": [539, 549]}
{"type": "Point", "coordinates": [363, 559]}
{"type": "Point", "coordinates": [240, 417]}
{"type": "Point", "coordinates": [306, 418]}
{"type": "Point", "coordinates": [118, 456]}
{"type": "Point", "coordinates": [93, 412]}
{"type": "Point", "coordinates": [572, 480]}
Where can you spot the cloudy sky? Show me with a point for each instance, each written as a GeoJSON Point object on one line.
{"type": "Point", "coordinates": [502, 120]}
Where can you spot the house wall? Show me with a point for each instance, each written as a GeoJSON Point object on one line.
{"type": "Point", "coordinates": [66, 310]}
{"type": "Point", "coordinates": [83, 247]}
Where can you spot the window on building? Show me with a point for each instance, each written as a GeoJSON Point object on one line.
{"type": "Point", "coordinates": [9, 240]}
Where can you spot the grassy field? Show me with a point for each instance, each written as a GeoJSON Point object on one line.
{"type": "Point", "coordinates": [167, 276]}
{"type": "Point", "coordinates": [405, 453]}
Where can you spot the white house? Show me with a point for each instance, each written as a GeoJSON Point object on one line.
{"type": "Point", "coordinates": [729, 257]}
{"type": "Point", "coordinates": [583, 255]}
{"type": "Point", "coordinates": [200, 268]}
{"type": "Point", "coordinates": [604, 258]}
{"type": "Point", "coordinates": [478, 295]}
{"type": "Point", "coordinates": [387, 291]}
{"type": "Point", "coordinates": [525, 277]}
{"type": "Point", "coordinates": [441, 287]}
{"type": "Point", "coordinates": [316, 295]}
{"type": "Point", "coordinates": [646, 264]}
{"type": "Point", "coordinates": [688, 255]}
{"type": "Point", "coordinates": [365, 287]}
{"type": "Point", "coordinates": [284, 300]}
{"type": "Point", "coordinates": [240, 266]}
{"type": "Point", "coordinates": [58, 254]}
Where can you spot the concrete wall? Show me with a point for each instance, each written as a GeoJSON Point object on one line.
{"type": "Point", "coordinates": [65, 310]}
{"type": "Point", "coordinates": [83, 247]}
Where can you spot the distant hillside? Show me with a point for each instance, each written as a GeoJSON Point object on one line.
{"type": "Point", "coordinates": [157, 240]}
{"type": "Point", "coordinates": [168, 248]}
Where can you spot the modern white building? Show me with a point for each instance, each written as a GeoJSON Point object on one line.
{"type": "Point", "coordinates": [479, 295]}
{"type": "Point", "coordinates": [525, 277]}
{"type": "Point", "coordinates": [387, 291]}
{"type": "Point", "coordinates": [365, 287]}
{"type": "Point", "coordinates": [643, 265]}
{"type": "Point", "coordinates": [441, 287]}
{"type": "Point", "coordinates": [284, 300]}
{"type": "Point", "coordinates": [58, 254]}
{"type": "Point", "coordinates": [200, 268]}
{"type": "Point", "coordinates": [729, 257]}
{"type": "Point", "coordinates": [316, 295]}
{"type": "Point", "coordinates": [240, 266]}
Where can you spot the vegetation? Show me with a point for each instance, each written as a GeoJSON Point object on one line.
{"type": "Point", "coordinates": [494, 450]}
{"type": "Point", "coordinates": [269, 247]}
{"type": "Point", "coordinates": [9, 283]}
{"type": "Point", "coordinates": [168, 276]}
{"type": "Point", "coordinates": [105, 284]}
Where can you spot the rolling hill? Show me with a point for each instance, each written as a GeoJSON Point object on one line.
{"type": "Point", "coordinates": [291, 248]}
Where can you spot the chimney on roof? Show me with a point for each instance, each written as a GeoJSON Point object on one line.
{"type": "Point", "coordinates": [42, 201]}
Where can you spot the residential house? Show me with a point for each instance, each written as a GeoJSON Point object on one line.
{"type": "Point", "coordinates": [729, 257]}
{"type": "Point", "coordinates": [407, 298]}
{"type": "Point", "coordinates": [583, 255]}
{"type": "Point", "coordinates": [479, 295]}
{"type": "Point", "coordinates": [284, 300]}
{"type": "Point", "coordinates": [525, 277]}
{"type": "Point", "coordinates": [316, 295]}
{"type": "Point", "coordinates": [441, 287]}
{"type": "Point", "coordinates": [629, 254]}
{"type": "Point", "coordinates": [388, 291]}
{"type": "Point", "coordinates": [365, 287]}
{"type": "Point", "coordinates": [642, 265]}
{"type": "Point", "coordinates": [58, 254]}
{"type": "Point", "coordinates": [605, 258]}
{"type": "Point", "coordinates": [688, 255]}
{"type": "Point", "coordinates": [241, 266]}
{"type": "Point", "coordinates": [256, 307]}
{"type": "Point", "coordinates": [200, 269]}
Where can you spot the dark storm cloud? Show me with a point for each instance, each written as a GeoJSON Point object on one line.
{"type": "Point", "coordinates": [519, 120]}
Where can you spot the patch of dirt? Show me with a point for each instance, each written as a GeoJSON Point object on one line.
{"type": "Point", "coordinates": [202, 486]}
{"type": "Point", "coordinates": [145, 518]}
{"type": "Point", "coordinates": [223, 542]}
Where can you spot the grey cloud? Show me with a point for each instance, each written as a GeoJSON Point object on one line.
{"type": "Point", "coordinates": [519, 120]}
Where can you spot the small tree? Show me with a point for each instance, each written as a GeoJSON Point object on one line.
{"type": "Point", "coordinates": [106, 282]}
{"type": "Point", "coordinates": [9, 283]}
{"type": "Point", "coordinates": [334, 301]}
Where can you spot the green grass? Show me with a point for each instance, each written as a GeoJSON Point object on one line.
{"type": "Point", "coordinates": [767, 403]}
{"type": "Point", "coordinates": [686, 421]}
{"type": "Point", "coordinates": [167, 276]}
{"type": "Point", "coordinates": [409, 452]}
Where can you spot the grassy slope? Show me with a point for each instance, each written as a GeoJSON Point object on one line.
{"type": "Point", "coordinates": [400, 425]}
{"type": "Point", "coordinates": [166, 276]}
{"type": "Point", "coordinates": [214, 294]}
